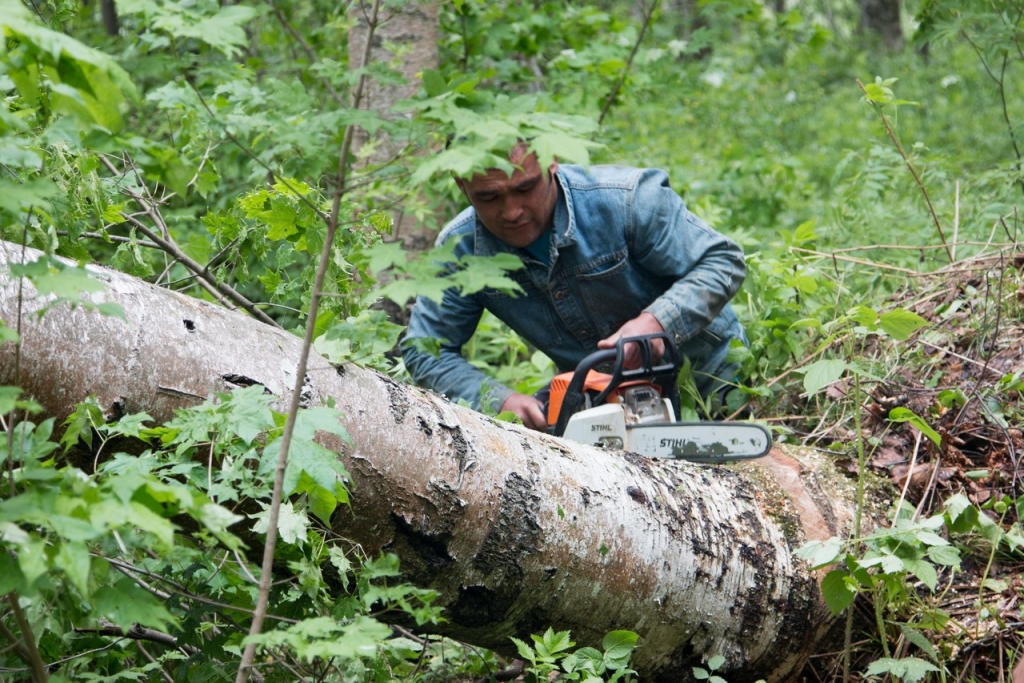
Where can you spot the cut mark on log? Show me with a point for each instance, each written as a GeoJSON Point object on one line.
{"type": "Point", "coordinates": [637, 494]}
{"type": "Point", "coordinates": [481, 606]}
{"type": "Point", "coordinates": [116, 410]}
{"type": "Point", "coordinates": [515, 532]}
{"type": "Point", "coordinates": [189, 325]}
{"type": "Point", "coordinates": [423, 426]}
{"type": "Point", "coordinates": [243, 381]}
{"type": "Point", "coordinates": [457, 440]}
{"type": "Point", "coordinates": [177, 392]}
{"type": "Point", "coordinates": [397, 399]}
{"type": "Point", "coordinates": [431, 548]}
{"type": "Point", "coordinates": [787, 473]}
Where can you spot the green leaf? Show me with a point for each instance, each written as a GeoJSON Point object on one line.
{"type": "Point", "coordinates": [8, 398]}
{"type": "Point", "coordinates": [821, 553]}
{"type": "Point", "coordinates": [923, 570]}
{"type": "Point", "coordinates": [804, 233]}
{"type": "Point", "coordinates": [433, 83]}
{"type": "Point", "coordinates": [944, 555]}
{"type": "Point", "coordinates": [865, 316]}
{"type": "Point", "coordinates": [322, 502]}
{"type": "Point", "coordinates": [837, 590]}
{"type": "Point", "coordinates": [553, 642]}
{"type": "Point", "coordinates": [15, 197]}
{"type": "Point", "coordinates": [901, 414]}
{"type": "Point", "coordinates": [481, 272]}
{"type": "Point", "coordinates": [125, 604]}
{"type": "Point", "coordinates": [585, 659]}
{"type": "Point", "coordinates": [716, 662]}
{"type": "Point", "coordinates": [821, 373]}
{"type": "Point", "coordinates": [956, 506]}
{"type": "Point", "coordinates": [322, 466]}
{"type": "Point", "coordinates": [32, 560]}
{"type": "Point", "coordinates": [83, 81]}
{"type": "Point", "coordinates": [700, 674]}
{"type": "Point", "coordinates": [917, 638]}
{"type": "Point", "coordinates": [309, 421]}
{"type": "Point", "coordinates": [147, 520]}
{"type": "Point", "coordinates": [900, 324]}
{"type": "Point", "coordinates": [359, 638]}
{"type": "Point", "coordinates": [11, 578]}
{"type": "Point", "coordinates": [222, 30]}
{"type": "Point", "coordinates": [525, 651]}
{"type": "Point", "coordinates": [74, 560]}
{"type": "Point", "coordinates": [292, 525]}
{"type": "Point", "coordinates": [908, 669]}
{"type": "Point", "coordinates": [217, 519]}
{"type": "Point", "coordinates": [618, 646]}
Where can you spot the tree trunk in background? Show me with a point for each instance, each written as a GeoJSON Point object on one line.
{"type": "Point", "coordinates": [406, 36]}
{"type": "Point", "coordinates": [687, 17]}
{"type": "Point", "coordinates": [883, 18]}
{"type": "Point", "coordinates": [515, 530]}
{"type": "Point", "coordinates": [110, 21]}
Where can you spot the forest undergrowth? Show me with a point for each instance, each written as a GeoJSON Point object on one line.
{"type": "Point", "coordinates": [209, 149]}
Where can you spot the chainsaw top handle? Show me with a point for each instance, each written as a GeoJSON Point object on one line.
{"type": "Point", "coordinates": [664, 373]}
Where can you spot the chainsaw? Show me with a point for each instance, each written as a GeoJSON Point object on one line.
{"type": "Point", "coordinates": [635, 409]}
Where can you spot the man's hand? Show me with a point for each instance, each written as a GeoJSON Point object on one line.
{"type": "Point", "coordinates": [643, 324]}
{"type": "Point", "coordinates": [529, 410]}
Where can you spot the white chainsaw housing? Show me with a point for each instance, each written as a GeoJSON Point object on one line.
{"type": "Point", "coordinates": [608, 425]}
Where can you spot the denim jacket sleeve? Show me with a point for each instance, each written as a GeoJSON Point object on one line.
{"type": "Point", "coordinates": [665, 238]}
{"type": "Point", "coordinates": [453, 322]}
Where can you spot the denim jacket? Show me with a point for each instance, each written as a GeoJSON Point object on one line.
{"type": "Point", "coordinates": [622, 242]}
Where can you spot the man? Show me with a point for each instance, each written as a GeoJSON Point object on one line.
{"type": "Point", "coordinates": [608, 252]}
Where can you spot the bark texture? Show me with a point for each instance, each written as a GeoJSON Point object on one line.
{"type": "Point", "coordinates": [517, 531]}
{"type": "Point", "coordinates": [406, 38]}
{"type": "Point", "coordinates": [882, 17]}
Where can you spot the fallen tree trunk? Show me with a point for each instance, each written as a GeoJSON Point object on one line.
{"type": "Point", "coordinates": [515, 530]}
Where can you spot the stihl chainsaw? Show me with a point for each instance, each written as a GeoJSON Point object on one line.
{"type": "Point", "coordinates": [635, 409]}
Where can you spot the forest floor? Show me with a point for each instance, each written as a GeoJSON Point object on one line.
{"type": "Point", "coordinates": [964, 375]}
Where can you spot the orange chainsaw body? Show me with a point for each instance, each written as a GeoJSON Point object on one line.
{"type": "Point", "coordinates": [595, 382]}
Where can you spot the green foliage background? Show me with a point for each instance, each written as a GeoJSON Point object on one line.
{"type": "Point", "coordinates": [203, 148]}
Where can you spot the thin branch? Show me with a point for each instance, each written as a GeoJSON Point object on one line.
{"type": "Point", "coordinates": [139, 632]}
{"type": "Point", "coordinates": [956, 218]}
{"type": "Point", "coordinates": [110, 238]}
{"type": "Point", "coordinates": [180, 590]}
{"type": "Point", "coordinates": [28, 640]}
{"type": "Point", "coordinates": [861, 262]}
{"type": "Point", "coordinates": [172, 249]}
{"type": "Point", "coordinates": [266, 575]}
{"type": "Point", "coordinates": [913, 171]}
{"type": "Point", "coordinates": [202, 273]}
{"type": "Point", "coordinates": [629, 62]}
{"type": "Point", "coordinates": [19, 647]}
{"type": "Point", "coordinates": [130, 573]}
{"type": "Point", "coordinates": [1000, 81]}
{"type": "Point", "coordinates": [145, 653]}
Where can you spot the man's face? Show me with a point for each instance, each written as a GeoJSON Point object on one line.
{"type": "Point", "coordinates": [517, 209]}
